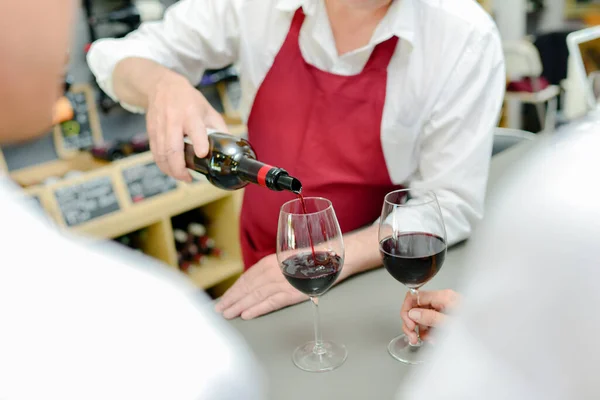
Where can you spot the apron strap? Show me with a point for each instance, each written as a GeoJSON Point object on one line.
{"type": "Point", "coordinates": [382, 54]}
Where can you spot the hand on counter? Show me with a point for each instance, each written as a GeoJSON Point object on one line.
{"type": "Point", "coordinates": [260, 290]}
{"type": "Point", "coordinates": [427, 313]}
{"type": "Point", "coordinates": [176, 109]}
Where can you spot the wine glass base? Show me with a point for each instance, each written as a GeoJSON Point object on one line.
{"type": "Point", "coordinates": [332, 356]}
{"type": "Point", "coordinates": [401, 349]}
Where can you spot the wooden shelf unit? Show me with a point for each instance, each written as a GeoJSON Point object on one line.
{"type": "Point", "coordinates": [153, 213]}
{"type": "Point", "coordinates": [213, 272]}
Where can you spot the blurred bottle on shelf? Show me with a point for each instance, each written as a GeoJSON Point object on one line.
{"type": "Point", "coordinates": [118, 149]}
{"type": "Point", "coordinates": [181, 246]}
{"type": "Point", "coordinates": [192, 241]}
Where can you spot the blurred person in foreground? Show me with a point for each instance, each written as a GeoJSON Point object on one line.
{"type": "Point", "coordinates": [526, 324]}
{"type": "Point", "coordinates": [80, 322]}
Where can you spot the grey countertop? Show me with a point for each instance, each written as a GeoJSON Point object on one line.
{"type": "Point", "coordinates": [363, 313]}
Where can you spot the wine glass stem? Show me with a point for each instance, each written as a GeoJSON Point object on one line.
{"type": "Point", "coordinates": [318, 349]}
{"type": "Point", "coordinates": [415, 293]}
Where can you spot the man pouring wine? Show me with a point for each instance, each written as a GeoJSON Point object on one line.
{"type": "Point", "coordinates": [355, 98]}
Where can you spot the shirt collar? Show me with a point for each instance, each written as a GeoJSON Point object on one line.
{"type": "Point", "coordinates": [399, 21]}
{"type": "Point", "coordinates": [308, 6]}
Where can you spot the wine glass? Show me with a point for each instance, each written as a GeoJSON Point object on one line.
{"type": "Point", "coordinates": [412, 243]}
{"type": "Point", "coordinates": [310, 251]}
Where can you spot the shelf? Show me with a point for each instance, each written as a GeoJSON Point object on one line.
{"type": "Point", "coordinates": [151, 211]}
{"type": "Point", "coordinates": [35, 175]}
{"type": "Point", "coordinates": [214, 271]}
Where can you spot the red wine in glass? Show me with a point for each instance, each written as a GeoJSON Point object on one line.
{"type": "Point", "coordinates": [311, 274]}
{"type": "Point", "coordinates": [413, 258]}
{"type": "Point", "coordinates": [316, 259]}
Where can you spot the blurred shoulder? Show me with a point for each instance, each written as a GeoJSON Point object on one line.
{"type": "Point", "coordinates": [456, 15]}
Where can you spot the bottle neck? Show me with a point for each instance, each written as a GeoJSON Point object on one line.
{"type": "Point", "coordinates": [265, 175]}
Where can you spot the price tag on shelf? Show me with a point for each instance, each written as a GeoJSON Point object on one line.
{"type": "Point", "coordinates": [81, 203]}
{"type": "Point", "coordinates": [147, 180]}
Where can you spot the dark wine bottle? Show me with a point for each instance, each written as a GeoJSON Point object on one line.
{"type": "Point", "coordinates": [231, 164]}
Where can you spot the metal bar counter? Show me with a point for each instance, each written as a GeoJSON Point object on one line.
{"type": "Point", "coordinates": [363, 313]}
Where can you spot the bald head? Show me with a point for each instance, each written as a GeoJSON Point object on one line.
{"type": "Point", "coordinates": [34, 39]}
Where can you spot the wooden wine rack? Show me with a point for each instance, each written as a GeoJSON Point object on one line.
{"type": "Point", "coordinates": [154, 213]}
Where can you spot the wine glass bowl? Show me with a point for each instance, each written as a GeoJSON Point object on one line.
{"type": "Point", "coordinates": [412, 244]}
{"type": "Point", "coordinates": [310, 252]}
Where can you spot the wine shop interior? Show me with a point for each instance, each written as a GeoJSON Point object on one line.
{"type": "Point", "coordinates": [222, 146]}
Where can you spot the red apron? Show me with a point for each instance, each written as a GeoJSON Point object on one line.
{"type": "Point", "coordinates": [325, 130]}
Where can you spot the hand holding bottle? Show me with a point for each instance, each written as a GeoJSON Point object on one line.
{"type": "Point", "coordinates": [176, 109]}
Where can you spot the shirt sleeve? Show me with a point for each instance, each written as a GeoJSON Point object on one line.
{"type": "Point", "coordinates": [193, 36]}
{"type": "Point", "coordinates": [456, 145]}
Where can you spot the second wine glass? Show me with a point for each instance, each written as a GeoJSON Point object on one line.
{"type": "Point", "coordinates": [412, 243]}
{"type": "Point", "coordinates": [310, 251]}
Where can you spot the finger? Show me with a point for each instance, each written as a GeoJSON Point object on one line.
{"type": "Point", "coordinates": [174, 149]}
{"type": "Point", "coordinates": [251, 299]}
{"type": "Point", "coordinates": [215, 121]}
{"type": "Point", "coordinates": [426, 317]}
{"type": "Point", "coordinates": [424, 332]}
{"type": "Point", "coordinates": [407, 322]}
{"type": "Point", "coordinates": [151, 130]}
{"type": "Point", "coordinates": [253, 278]}
{"type": "Point", "coordinates": [196, 131]}
{"type": "Point", "coordinates": [438, 299]}
{"type": "Point", "coordinates": [408, 304]}
{"type": "Point", "coordinates": [238, 290]}
{"type": "Point", "coordinates": [427, 334]}
{"type": "Point", "coordinates": [156, 134]}
{"type": "Point", "coordinates": [407, 331]}
{"type": "Point", "coordinates": [270, 304]}
{"type": "Point", "coordinates": [412, 337]}
{"type": "Point", "coordinates": [159, 141]}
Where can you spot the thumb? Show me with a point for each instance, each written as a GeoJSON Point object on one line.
{"type": "Point", "coordinates": [426, 317]}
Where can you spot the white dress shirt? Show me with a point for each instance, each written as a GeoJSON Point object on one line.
{"type": "Point", "coordinates": [84, 322]}
{"type": "Point", "coordinates": [445, 86]}
{"type": "Point", "coordinates": [528, 323]}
